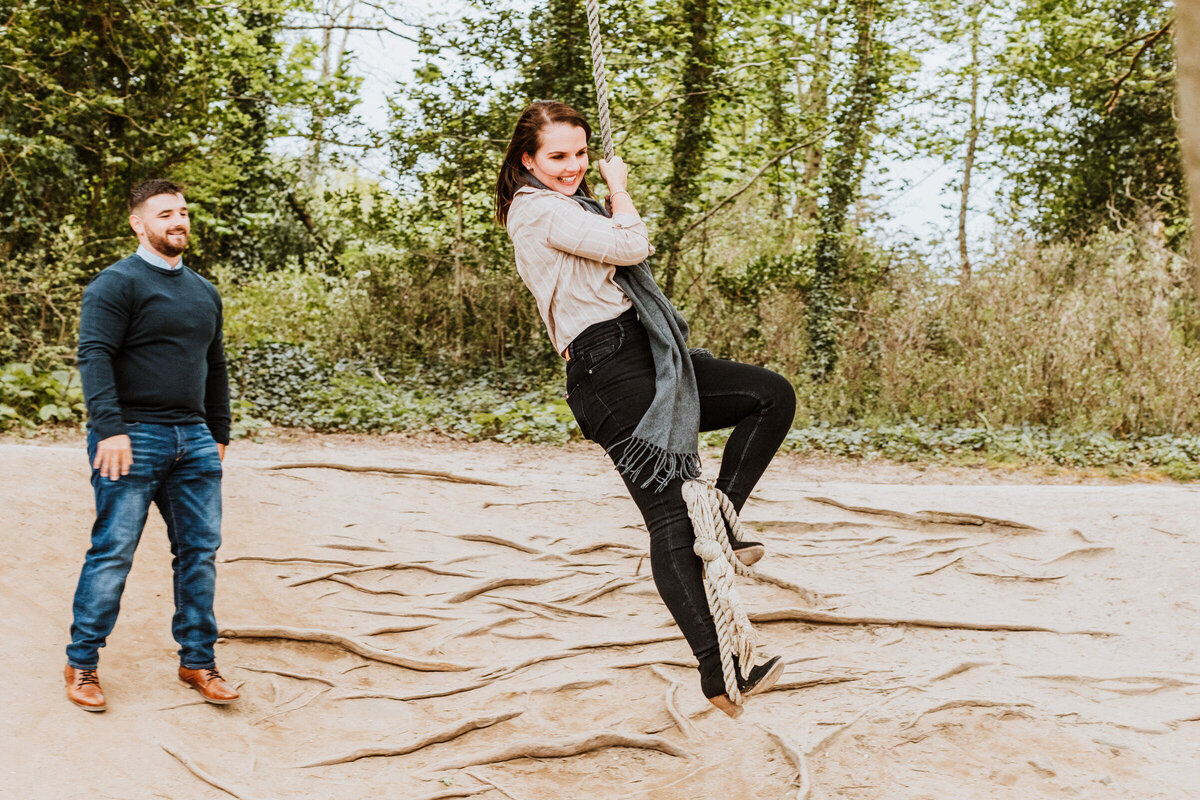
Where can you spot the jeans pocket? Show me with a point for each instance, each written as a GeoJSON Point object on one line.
{"type": "Point", "coordinates": [604, 351]}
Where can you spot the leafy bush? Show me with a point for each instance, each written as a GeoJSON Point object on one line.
{"type": "Point", "coordinates": [30, 398]}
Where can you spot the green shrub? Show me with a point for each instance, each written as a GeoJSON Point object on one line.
{"type": "Point", "coordinates": [30, 398]}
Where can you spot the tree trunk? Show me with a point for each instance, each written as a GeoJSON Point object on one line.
{"type": "Point", "coordinates": [692, 134]}
{"type": "Point", "coordinates": [814, 104]}
{"type": "Point", "coordinates": [969, 161]}
{"type": "Point", "coordinates": [1187, 49]}
{"type": "Point", "coordinates": [845, 167]}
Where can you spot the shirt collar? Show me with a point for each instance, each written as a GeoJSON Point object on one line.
{"type": "Point", "coordinates": [146, 254]}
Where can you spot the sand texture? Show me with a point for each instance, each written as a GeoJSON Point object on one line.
{"type": "Point", "coordinates": [489, 628]}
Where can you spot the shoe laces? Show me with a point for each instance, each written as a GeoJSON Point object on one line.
{"type": "Point", "coordinates": [211, 674]}
{"type": "Point", "coordinates": [85, 676]}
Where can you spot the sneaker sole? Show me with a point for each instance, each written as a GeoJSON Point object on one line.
{"type": "Point", "coordinates": [208, 699]}
{"type": "Point", "coordinates": [750, 555]}
{"type": "Point", "coordinates": [768, 680]}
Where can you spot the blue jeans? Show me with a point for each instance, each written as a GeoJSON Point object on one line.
{"type": "Point", "coordinates": [176, 467]}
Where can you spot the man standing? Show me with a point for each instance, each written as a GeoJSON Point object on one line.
{"type": "Point", "coordinates": [154, 377]}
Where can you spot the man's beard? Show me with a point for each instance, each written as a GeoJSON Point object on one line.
{"type": "Point", "coordinates": [163, 245]}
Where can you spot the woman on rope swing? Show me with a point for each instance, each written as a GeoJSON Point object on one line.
{"type": "Point", "coordinates": [632, 384]}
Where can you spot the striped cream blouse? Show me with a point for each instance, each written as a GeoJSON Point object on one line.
{"type": "Point", "coordinates": [567, 256]}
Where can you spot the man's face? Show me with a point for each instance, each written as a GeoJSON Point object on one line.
{"type": "Point", "coordinates": [162, 223]}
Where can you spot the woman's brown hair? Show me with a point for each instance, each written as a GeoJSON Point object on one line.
{"type": "Point", "coordinates": [525, 140]}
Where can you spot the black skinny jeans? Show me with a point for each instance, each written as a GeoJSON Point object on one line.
{"type": "Point", "coordinates": [610, 384]}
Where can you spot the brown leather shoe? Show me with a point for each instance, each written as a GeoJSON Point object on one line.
{"type": "Point", "coordinates": [83, 689]}
{"type": "Point", "coordinates": [209, 683]}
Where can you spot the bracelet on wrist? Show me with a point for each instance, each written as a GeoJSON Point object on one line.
{"type": "Point", "coordinates": [622, 191]}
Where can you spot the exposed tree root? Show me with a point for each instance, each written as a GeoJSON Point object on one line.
{"type": "Point", "coordinates": [437, 737]}
{"type": "Point", "coordinates": [290, 560]}
{"type": "Point", "coordinates": [937, 517]}
{"type": "Point", "coordinates": [574, 596]}
{"type": "Point", "coordinates": [796, 758]}
{"type": "Point", "coordinates": [297, 675]}
{"type": "Point", "coordinates": [683, 723]}
{"type": "Point", "coordinates": [575, 650]}
{"type": "Point", "coordinates": [1156, 728]}
{"type": "Point", "coordinates": [365, 548]}
{"type": "Point", "coordinates": [958, 669]}
{"type": "Point", "coordinates": [561, 609]}
{"type": "Point", "coordinates": [491, 783]}
{"type": "Point", "coordinates": [700, 712]}
{"type": "Point", "coordinates": [526, 636]}
{"type": "Point", "coordinates": [787, 686]}
{"type": "Point", "coordinates": [1125, 684]}
{"type": "Point", "coordinates": [807, 595]}
{"type": "Point", "coordinates": [477, 629]}
{"type": "Point", "coordinates": [827, 618]}
{"type": "Point", "coordinates": [499, 583]}
{"type": "Point", "coordinates": [966, 703]}
{"type": "Point", "coordinates": [940, 567]}
{"type": "Point", "coordinates": [184, 705]}
{"type": "Point", "coordinates": [588, 595]}
{"type": "Point", "coordinates": [591, 548]}
{"type": "Point", "coordinates": [656, 791]}
{"type": "Point", "coordinates": [364, 588]}
{"type": "Point", "coordinates": [565, 747]}
{"type": "Point", "coordinates": [419, 695]}
{"type": "Point", "coordinates": [828, 738]}
{"type": "Point", "coordinates": [490, 539]}
{"type": "Point", "coordinates": [227, 787]}
{"type": "Point", "coordinates": [423, 473]}
{"type": "Point", "coordinates": [515, 605]}
{"type": "Point", "coordinates": [446, 794]}
{"type": "Point", "coordinates": [1013, 576]}
{"type": "Point", "coordinates": [569, 686]}
{"type": "Point", "coordinates": [290, 709]}
{"type": "Point", "coordinates": [420, 626]}
{"type": "Point", "coordinates": [387, 612]}
{"type": "Point", "coordinates": [662, 637]}
{"type": "Point", "coordinates": [346, 643]}
{"type": "Point", "coordinates": [1079, 551]}
{"type": "Point", "coordinates": [666, 662]}
{"type": "Point", "coordinates": [394, 565]}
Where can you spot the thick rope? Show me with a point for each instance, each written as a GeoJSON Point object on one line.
{"type": "Point", "coordinates": [593, 17]}
{"type": "Point", "coordinates": [710, 511]}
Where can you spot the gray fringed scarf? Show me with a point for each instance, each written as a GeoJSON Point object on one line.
{"type": "Point", "coordinates": [665, 443]}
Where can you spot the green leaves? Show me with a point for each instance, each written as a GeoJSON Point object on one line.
{"type": "Point", "coordinates": [30, 398]}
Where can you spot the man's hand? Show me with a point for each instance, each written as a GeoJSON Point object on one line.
{"type": "Point", "coordinates": [114, 456]}
{"type": "Point", "coordinates": [220, 451]}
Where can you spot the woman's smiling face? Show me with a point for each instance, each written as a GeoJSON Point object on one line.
{"type": "Point", "coordinates": [561, 159]}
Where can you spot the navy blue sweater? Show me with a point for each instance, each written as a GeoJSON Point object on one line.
{"type": "Point", "coordinates": [150, 349]}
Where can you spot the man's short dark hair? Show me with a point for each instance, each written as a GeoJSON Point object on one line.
{"type": "Point", "coordinates": [147, 189]}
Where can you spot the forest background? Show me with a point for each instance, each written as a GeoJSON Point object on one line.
{"type": "Point", "coordinates": [367, 288]}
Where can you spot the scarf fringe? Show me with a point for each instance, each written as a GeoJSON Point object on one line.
{"type": "Point", "coordinates": [663, 466]}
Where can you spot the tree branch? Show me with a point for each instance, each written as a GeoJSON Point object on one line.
{"type": "Point", "coordinates": [1118, 81]}
{"type": "Point", "coordinates": [730, 198]}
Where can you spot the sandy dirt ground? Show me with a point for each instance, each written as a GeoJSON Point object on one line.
{"type": "Point", "coordinates": [944, 693]}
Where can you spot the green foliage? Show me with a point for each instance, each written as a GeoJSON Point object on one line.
{"type": "Point", "coordinates": [1177, 456]}
{"type": "Point", "coordinates": [290, 385]}
{"type": "Point", "coordinates": [32, 398]}
{"type": "Point", "coordinates": [1090, 140]}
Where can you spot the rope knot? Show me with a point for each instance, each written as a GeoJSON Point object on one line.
{"type": "Point", "coordinates": [708, 550]}
{"type": "Point", "coordinates": [714, 521]}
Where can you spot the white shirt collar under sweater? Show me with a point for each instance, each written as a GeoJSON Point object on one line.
{"type": "Point", "coordinates": [146, 254]}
